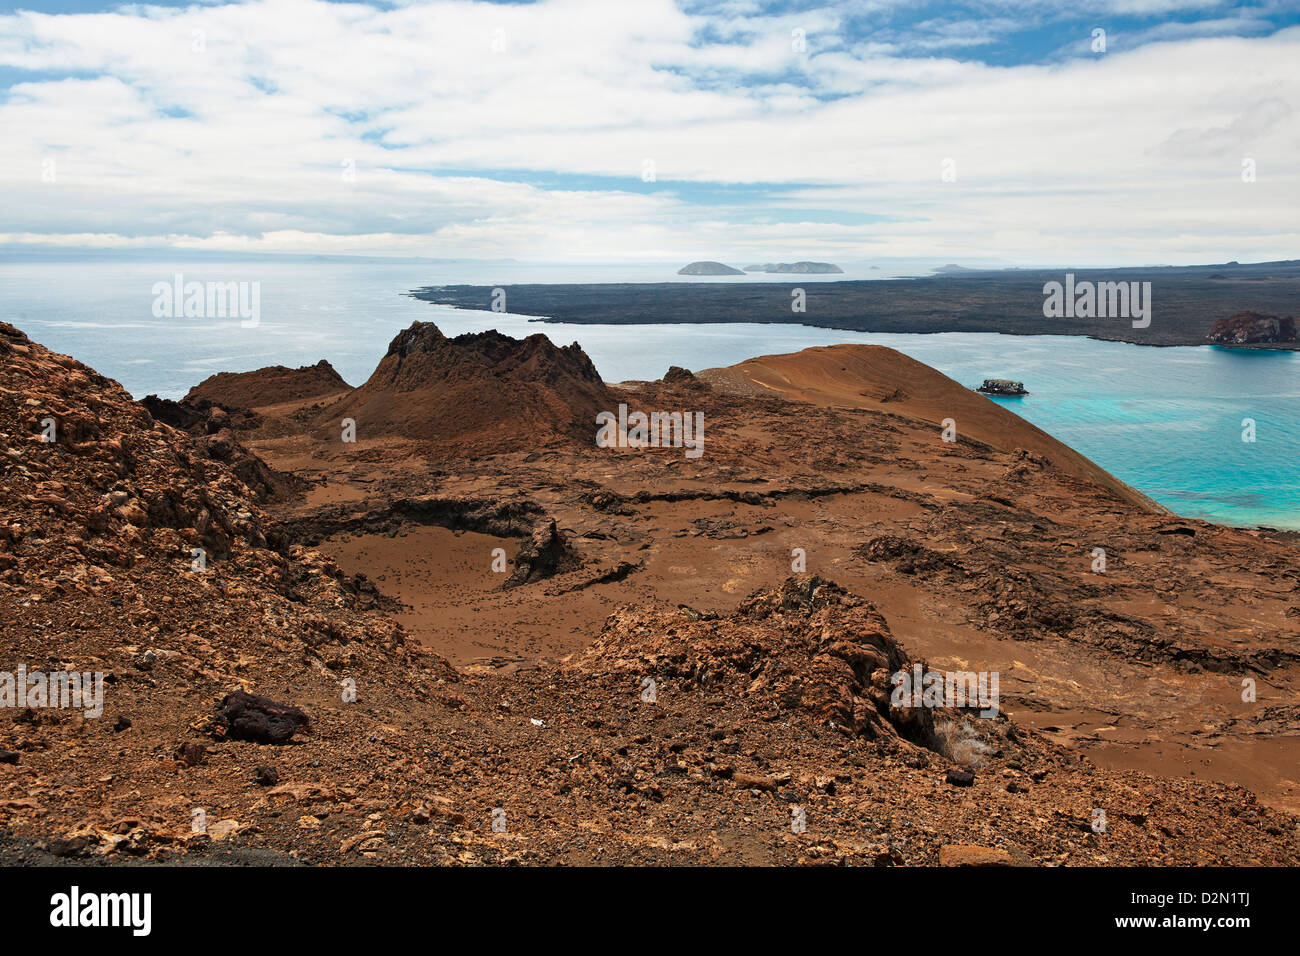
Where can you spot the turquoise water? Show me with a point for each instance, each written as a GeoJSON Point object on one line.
{"type": "Point", "coordinates": [1166, 420]}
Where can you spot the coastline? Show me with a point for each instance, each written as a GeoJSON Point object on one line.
{"type": "Point", "coordinates": [1185, 303]}
{"type": "Point", "coordinates": [1247, 347]}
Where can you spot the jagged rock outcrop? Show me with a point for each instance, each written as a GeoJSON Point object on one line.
{"type": "Point", "coordinates": [266, 483]}
{"type": "Point", "coordinates": [78, 445]}
{"type": "Point", "coordinates": [806, 646]}
{"type": "Point", "coordinates": [213, 427]}
{"type": "Point", "coordinates": [542, 555]}
{"type": "Point", "coordinates": [1002, 386]}
{"type": "Point", "coordinates": [683, 378]}
{"type": "Point", "coordinates": [1250, 328]}
{"type": "Point", "coordinates": [95, 488]}
{"type": "Point", "coordinates": [477, 393]}
{"type": "Point", "coordinates": [201, 417]}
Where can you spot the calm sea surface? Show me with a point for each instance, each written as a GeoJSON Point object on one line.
{"type": "Point", "coordinates": [1168, 421]}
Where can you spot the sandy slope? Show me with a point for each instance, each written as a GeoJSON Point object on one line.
{"type": "Point", "coordinates": [873, 376]}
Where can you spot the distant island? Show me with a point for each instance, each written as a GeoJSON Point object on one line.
{"type": "Point", "coordinates": [797, 268]}
{"type": "Point", "coordinates": [708, 269]}
{"type": "Point", "coordinates": [1190, 302]}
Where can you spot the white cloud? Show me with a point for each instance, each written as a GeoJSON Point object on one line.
{"type": "Point", "coordinates": [249, 141]}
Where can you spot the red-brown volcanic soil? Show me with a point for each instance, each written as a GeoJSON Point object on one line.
{"type": "Point", "coordinates": [872, 376]}
{"type": "Point", "coordinates": [519, 685]}
{"type": "Point", "coordinates": [268, 386]}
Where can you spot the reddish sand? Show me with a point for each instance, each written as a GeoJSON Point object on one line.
{"type": "Point", "coordinates": [873, 376]}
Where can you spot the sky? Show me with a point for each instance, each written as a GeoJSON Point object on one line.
{"type": "Point", "coordinates": [1095, 132]}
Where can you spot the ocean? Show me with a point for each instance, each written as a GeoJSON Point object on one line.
{"type": "Point", "coordinates": [1169, 421]}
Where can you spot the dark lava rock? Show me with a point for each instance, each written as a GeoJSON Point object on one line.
{"type": "Point", "coordinates": [907, 556]}
{"type": "Point", "coordinates": [1247, 328]}
{"type": "Point", "coordinates": [682, 377]}
{"type": "Point", "coordinates": [242, 716]}
{"type": "Point", "coordinates": [961, 778]}
{"type": "Point", "coordinates": [74, 846]}
{"type": "Point", "coordinates": [8, 756]}
{"type": "Point", "coordinates": [265, 776]}
{"type": "Point", "coordinates": [609, 502]}
{"type": "Point", "coordinates": [543, 555]}
{"type": "Point", "coordinates": [121, 724]}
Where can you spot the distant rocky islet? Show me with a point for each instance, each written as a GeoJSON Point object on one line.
{"type": "Point", "coordinates": [710, 268]}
